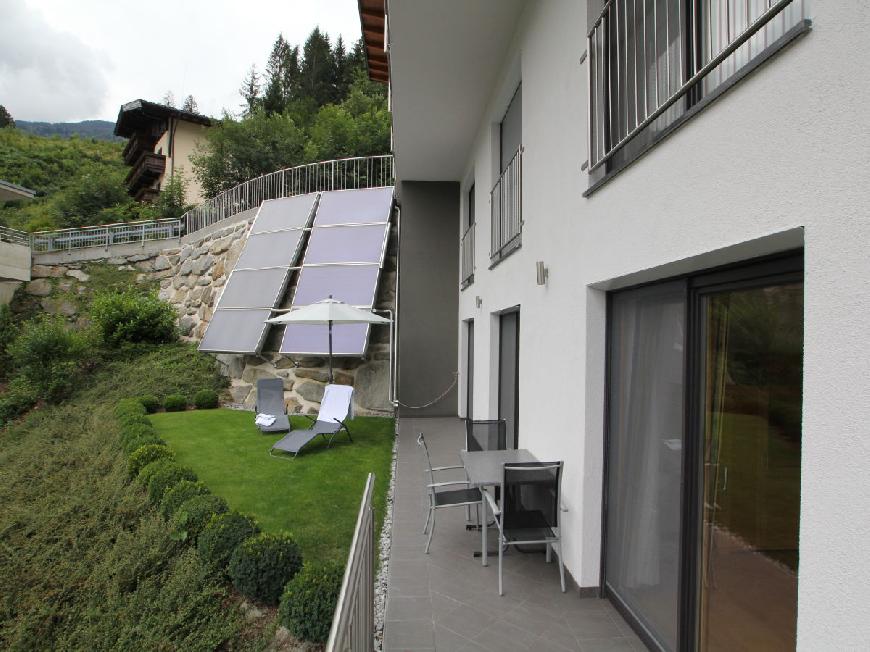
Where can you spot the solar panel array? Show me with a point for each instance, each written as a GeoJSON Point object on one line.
{"type": "Point", "coordinates": [344, 256]}
{"type": "Point", "coordinates": [259, 279]}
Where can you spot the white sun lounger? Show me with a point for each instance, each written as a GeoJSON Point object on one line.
{"type": "Point", "coordinates": [335, 409]}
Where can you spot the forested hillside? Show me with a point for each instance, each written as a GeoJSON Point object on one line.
{"type": "Point", "coordinates": [98, 129]}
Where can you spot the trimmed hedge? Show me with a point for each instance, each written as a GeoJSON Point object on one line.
{"type": "Point", "coordinates": [194, 513]}
{"type": "Point", "coordinates": [183, 491]}
{"type": "Point", "coordinates": [175, 403]}
{"type": "Point", "coordinates": [221, 536]}
{"type": "Point", "coordinates": [262, 565]}
{"type": "Point", "coordinates": [205, 399]}
{"type": "Point", "coordinates": [144, 455]}
{"type": "Point", "coordinates": [309, 600]}
{"type": "Point", "coordinates": [129, 406]}
{"type": "Point", "coordinates": [166, 478]}
{"type": "Point", "coordinates": [150, 402]}
{"type": "Point", "coordinates": [133, 419]}
{"type": "Point", "coordinates": [151, 469]}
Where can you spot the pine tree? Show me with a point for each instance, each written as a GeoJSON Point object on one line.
{"type": "Point", "coordinates": [189, 104]}
{"type": "Point", "coordinates": [318, 68]}
{"type": "Point", "coordinates": [169, 99]}
{"type": "Point", "coordinates": [290, 81]}
{"type": "Point", "coordinates": [343, 71]}
{"type": "Point", "coordinates": [274, 100]}
{"type": "Point", "coordinates": [250, 91]}
{"type": "Point", "coordinates": [5, 118]}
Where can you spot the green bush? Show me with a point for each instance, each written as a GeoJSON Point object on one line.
{"type": "Point", "coordinates": [135, 429]}
{"type": "Point", "coordinates": [8, 333]}
{"type": "Point", "coordinates": [151, 469]}
{"type": "Point", "coordinates": [262, 565]}
{"type": "Point", "coordinates": [309, 600]}
{"type": "Point", "coordinates": [18, 398]}
{"type": "Point", "coordinates": [133, 419]}
{"type": "Point", "coordinates": [221, 536]}
{"type": "Point", "coordinates": [129, 407]}
{"type": "Point", "coordinates": [48, 356]}
{"type": "Point", "coordinates": [150, 402]}
{"type": "Point", "coordinates": [205, 399]}
{"type": "Point", "coordinates": [175, 403]}
{"type": "Point", "coordinates": [181, 492]}
{"type": "Point", "coordinates": [165, 478]}
{"type": "Point", "coordinates": [143, 456]}
{"type": "Point", "coordinates": [194, 513]}
{"type": "Point", "coordinates": [133, 318]}
{"type": "Point", "coordinates": [147, 438]}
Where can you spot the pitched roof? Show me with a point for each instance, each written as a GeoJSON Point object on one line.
{"type": "Point", "coordinates": [137, 114]}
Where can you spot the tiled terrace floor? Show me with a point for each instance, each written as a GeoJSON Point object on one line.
{"type": "Point", "coordinates": [447, 601]}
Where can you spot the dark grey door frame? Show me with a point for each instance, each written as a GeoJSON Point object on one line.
{"type": "Point", "coordinates": [469, 373]}
{"type": "Point", "coordinates": [514, 311]}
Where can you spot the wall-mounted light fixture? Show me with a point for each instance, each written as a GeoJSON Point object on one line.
{"type": "Point", "coordinates": [543, 272]}
{"type": "Point", "coordinates": [478, 301]}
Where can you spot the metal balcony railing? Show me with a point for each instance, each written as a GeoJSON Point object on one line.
{"type": "Point", "coordinates": [353, 624]}
{"type": "Point", "coordinates": [14, 236]}
{"type": "Point", "coordinates": [340, 174]}
{"type": "Point", "coordinates": [645, 56]}
{"type": "Point", "coordinates": [506, 205]}
{"type": "Point", "coordinates": [104, 235]}
{"type": "Point", "coordinates": [466, 251]}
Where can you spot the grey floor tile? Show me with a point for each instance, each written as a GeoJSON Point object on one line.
{"type": "Point", "coordinates": [608, 645]}
{"type": "Point", "coordinates": [466, 621]}
{"type": "Point", "coordinates": [409, 635]}
{"type": "Point", "coordinates": [400, 608]}
{"type": "Point", "coordinates": [594, 626]}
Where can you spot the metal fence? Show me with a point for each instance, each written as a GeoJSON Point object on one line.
{"type": "Point", "coordinates": [506, 204]}
{"type": "Point", "coordinates": [353, 624]}
{"type": "Point", "coordinates": [341, 174]}
{"type": "Point", "coordinates": [14, 236]}
{"type": "Point", "coordinates": [466, 251]}
{"type": "Point", "coordinates": [104, 235]}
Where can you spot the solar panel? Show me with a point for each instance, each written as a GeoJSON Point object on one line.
{"type": "Point", "coordinates": [260, 276]}
{"type": "Point", "coordinates": [235, 331]}
{"type": "Point", "coordinates": [327, 268]}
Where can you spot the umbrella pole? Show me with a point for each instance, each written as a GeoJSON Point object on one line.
{"type": "Point", "coordinates": [330, 351]}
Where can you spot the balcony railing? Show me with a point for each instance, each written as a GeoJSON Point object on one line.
{"type": "Point", "coordinates": [353, 624]}
{"type": "Point", "coordinates": [649, 59]}
{"type": "Point", "coordinates": [506, 204]}
{"type": "Point", "coordinates": [104, 235]}
{"type": "Point", "coordinates": [466, 250]}
{"type": "Point", "coordinates": [341, 174]}
{"type": "Point", "coordinates": [14, 236]}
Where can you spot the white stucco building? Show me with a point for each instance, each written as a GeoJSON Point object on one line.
{"type": "Point", "coordinates": [690, 178]}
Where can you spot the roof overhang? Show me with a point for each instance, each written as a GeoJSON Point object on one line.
{"type": "Point", "coordinates": [373, 24]}
{"type": "Point", "coordinates": [445, 60]}
{"type": "Point", "coordinates": [13, 192]}
{"type": "Point", "coordinates": [141, 114]}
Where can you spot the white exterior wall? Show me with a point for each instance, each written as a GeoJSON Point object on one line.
{"type": "Point", "coordinates": [783, 158]}
{"type": "Point", "coordinates": [186, 139]}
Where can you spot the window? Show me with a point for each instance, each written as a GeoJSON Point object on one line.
{"type": "Point", "coordinates": [506, 195]}
{"type": "Point", "coordinates": [466, 244]}
{"type": "Point", "coordinates": [651, 61]}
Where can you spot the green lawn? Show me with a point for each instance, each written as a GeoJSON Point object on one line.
{"type": "Point", "coordinates": [315, 496]}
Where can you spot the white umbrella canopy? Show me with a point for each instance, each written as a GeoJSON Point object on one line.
{"type": "Point", "coordinates": [329, 311]}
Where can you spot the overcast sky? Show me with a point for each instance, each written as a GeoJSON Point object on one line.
{"type": "Point", "coordinates": [70, 60]}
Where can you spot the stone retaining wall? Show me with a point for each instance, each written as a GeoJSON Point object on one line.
{"type": "Point", "coordinates": [191, 277]}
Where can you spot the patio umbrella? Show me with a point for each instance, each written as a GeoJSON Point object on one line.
{"type": "Point", "coordinates": [328, 311]}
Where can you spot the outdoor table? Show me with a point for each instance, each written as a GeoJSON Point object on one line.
{"type": "Point", "coordinates": [485, 469]}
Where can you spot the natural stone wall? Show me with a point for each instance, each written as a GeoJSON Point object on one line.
{"type": "Point", "coordinates": [191, 277]}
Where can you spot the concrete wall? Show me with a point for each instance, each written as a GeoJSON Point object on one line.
{"type": "Point", "coordinates": [780, 161]}
{"type": "Point", "coordinates": [14, 262]}
{"type": "Point", "coordinates": [427, 302]}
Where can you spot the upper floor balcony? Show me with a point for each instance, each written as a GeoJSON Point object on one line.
{"type": "Point", "coordinates": [506, 205]}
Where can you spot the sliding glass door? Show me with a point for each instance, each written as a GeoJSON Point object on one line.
{"type": "Point", "coordinates": [702, 463]}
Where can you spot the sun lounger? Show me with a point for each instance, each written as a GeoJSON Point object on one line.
{"type": "Point", "coordinates": [335, 409]}
{"type": "Point", "coordinates": [270, 401]}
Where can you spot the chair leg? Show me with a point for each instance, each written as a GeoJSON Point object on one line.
{"type": "Point", "coordinates": [428, 517]}
{"type": "Point", "coordinates": [549, 557]}
{"type": "Point", "coordinates": [561, 566]}
{"type": "Point", "coordinates": [500, 555]}
{"type": "Point", "coordinates": [431, 531]}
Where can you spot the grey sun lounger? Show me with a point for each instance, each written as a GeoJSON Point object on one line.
{"type": "Point", "coordinates": [270, 400]}
{"type": "Point", "coordinates": [335, 408]}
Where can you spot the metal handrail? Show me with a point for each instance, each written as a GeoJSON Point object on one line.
{"type": "Point", "coordinates": [104, 235]}
{"type": "Point", "coordinates": [466, 250]}
{"type": "Point", "coordinates": [506, 209]}
{"type": "Point", "coordinates": [14, 236]}
{"type": "Point", "coordinates": [340, 174]}
{"type": "Point", "coordinates": [353, 623]}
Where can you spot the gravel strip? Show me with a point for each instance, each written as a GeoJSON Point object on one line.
{"type": "Point", "coordinates": [382, 580]}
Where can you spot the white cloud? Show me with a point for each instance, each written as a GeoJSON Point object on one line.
{"type": "Point", "coordinates": [45, 73]}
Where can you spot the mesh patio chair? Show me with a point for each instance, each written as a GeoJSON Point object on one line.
{"type": "Point", "coordinates": [270, 400]}
{"type": "Point", "coordinates": [439, 494]}
{"type": "Point", "coordinates": [529, 512]}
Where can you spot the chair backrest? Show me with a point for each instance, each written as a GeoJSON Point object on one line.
{"type": "Point", "coordinates": [530, 495]}
{"type": "Point", "coordinates": [270, 396]}
{"type": "Point", "coordinates": [421, 442]}
{"type": "Point", "coordinates": [488, 435]}
{"type": "Point", "coordinates": [336, 403]}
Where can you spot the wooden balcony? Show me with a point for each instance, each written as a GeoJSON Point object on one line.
{"type": "Point", "coordinates": [147, 169]}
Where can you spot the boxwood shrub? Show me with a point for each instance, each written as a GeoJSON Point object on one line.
{"type": "Point", "coordinates": [150, 402]}
{"type": "Point", "coordinates": [221, 536]}
{"type": "Point", "coordinates": [193, 515]}
{"type": "Point", "coordinates": [135, 430]}
{"type": "Point", "coordinates": [309, 600]}
{"type": "Point", "coordinates": [205, 399]}
{"type": "Point", "coordinates": [128, 406]}
{"type": "Point", "coordinates": [175, 403]}
{"type": "Point", "coordinates": [174, 497]}
{"type": "Point", "coordinates": [132, 445]}
{"type": "Point", "coordinates": [149, 470]}
{"type": "Point", "coordinates": [165, 478]}
{"type": "Point", "coordinates": [130, 419]}
{"type": "Point", "coordinates": [263, 564]}
{"type": "Point", "coordinates": [144, 455]}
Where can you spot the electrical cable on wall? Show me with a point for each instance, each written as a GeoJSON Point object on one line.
{"type": "Point", "coordinates": [435, 400]}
